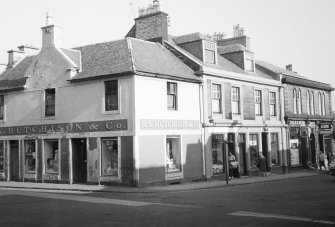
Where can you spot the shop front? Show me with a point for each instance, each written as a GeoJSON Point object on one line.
{"type": "Point", "coordinates": [82, 152]}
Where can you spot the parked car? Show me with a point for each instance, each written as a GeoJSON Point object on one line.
{"type": "Point", "coordinates": [332, 166]}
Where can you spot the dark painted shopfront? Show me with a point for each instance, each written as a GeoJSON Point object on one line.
{"type": "Point", "coordinates": [82, 152]}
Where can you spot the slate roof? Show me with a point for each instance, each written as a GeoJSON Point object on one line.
{"type": "Point", "coordinates": [190, 38]}
{"type": "Point", "coordinates": [153, 58]}
{"type": "Point", "coordinates": [278, 69]}
{"type": "Point", "coordinates": [74, 55]}
{"type": "Point", "coordinates": [104, 59]}
{"type": "Point", "coordinates": [14, 78]}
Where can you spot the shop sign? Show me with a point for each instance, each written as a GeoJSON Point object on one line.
{"type": "Point", "coordinates": [300, 123]}
{"type": "Point", "coordinates": [78, 127]}
{"type": "Point", "coordinates": [325, 127]}
{"type": "Point", "coordinates": [150, 124]}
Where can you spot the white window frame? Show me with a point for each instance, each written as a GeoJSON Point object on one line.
{"type": "Point", "coordinates": [273, 105]}
{"type": "Point", "coordinates": [177, 174]}
{"type": "Point", "coordinates": [217, 96]}
{"type": "Point", "coordinates": [175, 108]}
{"type": "Point", "coordinates": [259, 103]}
{"type": "Point", "coordinates": [299, 99]}
{"type": "Point", "coordinates": [236, 100]}
{"type": "Point", "coordinates": [44, 104]}
{"type": "Point", "coordinates": [295, 101]}
{"type": "Point", "coordinates": [209, 46]}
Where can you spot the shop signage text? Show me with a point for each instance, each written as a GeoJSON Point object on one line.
{"type": "Point", "coordinates": [149, 124]}
{"type": "Point", "coordinates": [300, 123]}
{"type": "Point", "coordinates": [325, 127]}
{"type": "Point", "coordinates": [94, 126]}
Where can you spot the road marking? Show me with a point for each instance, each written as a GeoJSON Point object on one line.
{"type": "Point", "coordinates": [261, 215]}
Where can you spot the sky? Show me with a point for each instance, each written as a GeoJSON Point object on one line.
{"type": "Point", "coordinates": [282, 32]}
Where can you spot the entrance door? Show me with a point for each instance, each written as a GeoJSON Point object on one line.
{"type": "Point", "coordinates": [79, 160]}
{"type": "Point", "coordinates": [14, 160]}
{"type": "Point", "coordinates": [313, 150]}
{"type": "Point", "coordinates": [265, 150]}
{"type": "Point", "coordinates": [243, 155]}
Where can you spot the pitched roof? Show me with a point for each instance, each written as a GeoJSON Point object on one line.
{"type": "Point", "coordinates": [190, 38]}
{"type": "Point", "coordinates": [74, 55]}
{"type": "Point", "coordinates": [14, 78]}
{"type": "Point", "coordinates": [277, 69]}
{"type": "Point", "coordinates": [153, 58]}
{"type": "Point", "coordinates": [104, 59]}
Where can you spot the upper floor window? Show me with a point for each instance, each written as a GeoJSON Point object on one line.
{"type": "Point", "coordinates": [249, 65]}
{"type": "Point", "coordinates": [50, 102]}
{"type": "Point", "coordinates": [235, 98]}
{"type": "Point", "coordinates": [172, 96]}
{"type": "Point", "coordinates": [320, 104]}
{"type": "Point", "coordinates": [209, 52]}
{"type": "Point", "coordinates": [2, 107]}
{"type": "Point", "coordinates": [312, 103]}
{"type": "Point", "coordinates": [299, 101]}
{"type": "Point", "coordinates": [308, 103]}
{"type": "Point", "coordinates": [273, 104]}
{"type": "Point", "coordinates": [111, 95]}
{"type": "Point", "coordinates": [216, 98]}
{"type": "Point", "coordinates": [258, 102]}
{"type": "Point", "coordinates": [294, 101]}
{"type": "Point", "coordinates": [323, 104]}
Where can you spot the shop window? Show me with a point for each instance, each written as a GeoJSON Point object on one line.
{"type": "Point", "coordinates": [273, 104]}
{"type": "Point", "coordinates": [30, 156]}
{"type": "Point", "coordinates": [2, 107]}
{"type": "Point", "coordinates": [235, 99]}
{"type": "Point", "coordinates": [217, 154]}
{"type": "Point", "coordinates": [50, 102]}
{"type": "Point", "coordinates": [295, 152]}
{"type": "Point", "coordinates": [258, 102]}
{"type": "Point", "coordinates": [51, 156]}
{"type": "Point", "coordinates": [173, 156]}
{"type": "Point", "coordinates": [2, 157]}
{"type": "Point", "coordinates": [216, 98]}
{"type": "Point", "coordinates": [110, 157]}
{"type": "Point", "coordinates": [274, 149]}
{"type": "Point", "coordinates": [111, 95]}
{"type": "Point", "coordinates": [171, 96]}
{"type": "Point", "coordinates": [253, 143]}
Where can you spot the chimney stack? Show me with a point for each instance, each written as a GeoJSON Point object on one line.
{"type": "Point", "coordinates": [51, 34]}
{"type": "Point", "coordinates": [14, 56]}
{"type": "Point", "coordinates": [28, 49]}
{"type": "Point", "coordinates": [152, 23]}
{"type": "Point", "coordinates": [289, 67]}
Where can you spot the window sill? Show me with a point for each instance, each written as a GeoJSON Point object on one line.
{"type": "Point", "coordinates": [111, 112]}
{"type": "Point", "coordinates": [49, 117]}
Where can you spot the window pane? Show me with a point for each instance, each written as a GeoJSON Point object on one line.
{"type": "Point", "coordinates": [111, 95]}
{"type": "Point", "coordinates": [2, 157]}
{"type": "Point", "coordinates": [216, 106]}
{"type": "Point", "coordinates": [109, 157]}
{"type": "Point", "coordinates": [173, 157]}
{"type": "Point", "coordinates": [249, 65]}
{"type": "Point", "coordinates": [30, 156]}
{"type": "Point", "coordinates": [235, 107]}
{"type": "Point", "coordinates": [51, 154]}
{"type": "Point", "coordinates": [172, 96]}
{"type": "Point", "coordinates": [50, 100]}
{"type": "Point", "coordinates": [210, 56]}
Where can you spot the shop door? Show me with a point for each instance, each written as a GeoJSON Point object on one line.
{"type": "Point", "coordinates": [14, 160]}
{"type": "Point", "coordinates": [304, 152]}
{"type": "Point", "coordinates": [265, 150]}
{"type": "Point", "coordinates": [243, 156]}
{"type": "Point", "coordinates": [79, 160]}
{"type": "Point", "coordinates": [313, 150]}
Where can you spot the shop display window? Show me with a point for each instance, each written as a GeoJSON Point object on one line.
{"type": "Point", "coordinates": [253, 140]}
{"type": "Point", "coordinates": [173, 156]}
{"type": "Point", "coordinates": [51, 156]}
{"type": "Point", "coordinates": [110, 157]}
{"type": "Point", "coordinates": [30, 156]}
{"type": "Point", "coordinates": [217, 154]}
{"type": "Point", "coordinates": [2, 157]}
{"type": "Point", "coordinates": [274, 149]}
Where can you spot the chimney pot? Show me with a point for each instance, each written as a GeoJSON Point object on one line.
{"type": "Point", "coordinates": [289, 67]}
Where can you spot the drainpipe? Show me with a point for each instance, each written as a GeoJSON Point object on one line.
{"type": "Point", "coordinates": [283, 128]}
{"type": "Point", "coordinates": [203, 131]}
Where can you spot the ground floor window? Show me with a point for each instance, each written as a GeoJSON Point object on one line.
{"type": "Point", "coordinates": [173, 156]}
{"type": "Point", "coordinates": [2, 157]}
{"type": "Point", "coordinates": [217, 154]}
{"type": "Point", "coordinates": [51, 156]}
{"type": "Point", "coordinates": [30, 156]}
{"type": "Point", "coordinates": [110, 157]}
{"type": "Point", "coordinates": [274, 149]}
{"type": "Point", "coordinates": [253, 146]}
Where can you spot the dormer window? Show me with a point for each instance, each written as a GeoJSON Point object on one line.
{"type": "Point", "coordinates": [209, 49]}
{"type": "Point", "coordinates": [249, 62]}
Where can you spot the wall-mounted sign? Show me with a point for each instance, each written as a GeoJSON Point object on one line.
{"type": "Point", "coordinates": [150, 124]}
{"type": "Point", "coordinates": [325, 127]}
{"type": "Point", "coordinates": [77, 127]}
{"type": "Point", "coordinates": [299, 123]}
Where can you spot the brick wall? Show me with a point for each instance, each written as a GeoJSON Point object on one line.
{"type": "Point", "coordinates": [152, 26]}
{"type": "Point", "coordinates": [194, 48]}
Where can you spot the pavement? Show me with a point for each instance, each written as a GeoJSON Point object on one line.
{"type": "Point", "coordinates": [215, 183]}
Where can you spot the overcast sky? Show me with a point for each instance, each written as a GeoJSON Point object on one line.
{"type": "Point", "coordinates": [297, 32]}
